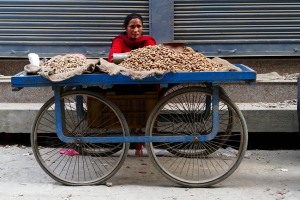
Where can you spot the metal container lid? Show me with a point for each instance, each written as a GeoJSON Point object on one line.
{"type": "Point", "coordinates": [178, 46]}
{"type": "Point", "coordinates": [119, 57]}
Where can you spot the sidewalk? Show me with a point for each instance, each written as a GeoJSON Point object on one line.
{"type": "Point", "coordinates": [262, 175]}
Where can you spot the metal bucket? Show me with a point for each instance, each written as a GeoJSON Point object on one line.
{"type": "Point", "coordinates": [119, 57]}
{"type": "Point", "coordinates": [177, 46]}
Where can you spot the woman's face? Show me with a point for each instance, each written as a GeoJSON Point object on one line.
{"type": "Point", "coordinates": [134, 29]}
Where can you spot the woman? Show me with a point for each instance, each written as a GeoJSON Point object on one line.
{"type": "Point", "coordinates": [132, 38]}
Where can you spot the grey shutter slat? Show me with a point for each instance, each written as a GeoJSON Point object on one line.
{"type": "Point", "coordinates": [239, 28]}
{"type": "Point", "coordinates": [56, 27]}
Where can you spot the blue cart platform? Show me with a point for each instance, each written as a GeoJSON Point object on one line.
{"type": "Point", "coordinates": [193, 132]}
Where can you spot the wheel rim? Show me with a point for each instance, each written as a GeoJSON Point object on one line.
{"type": "Point", "coordinates": [196, 164]}
{"type": "Point", "coordinates": [80, 164]}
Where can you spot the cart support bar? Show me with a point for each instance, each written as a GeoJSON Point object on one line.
{"type": "Point", "coordinates": [135, 139]}
{"type": "Point", "coordinates": [187, 138]}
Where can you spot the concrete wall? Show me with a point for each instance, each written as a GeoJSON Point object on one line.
{"type": "Point", "coordinates": [19, 118]}
{"type": "Point", "coordinates": [18, 109]}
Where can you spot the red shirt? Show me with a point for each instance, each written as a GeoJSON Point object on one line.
{"type": "Point", "coordinates": [123, 44]}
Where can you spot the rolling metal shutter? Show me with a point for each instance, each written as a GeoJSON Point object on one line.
{"type": "Point", "coordinates": [63, 26]}
{"type": "Point", "coordinates": [239, 27]}
{"type": "Point", "coordinates": [214, 27]}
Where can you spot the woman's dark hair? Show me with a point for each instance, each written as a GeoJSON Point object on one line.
{"type": "Point", "coordinates": [130, 17]}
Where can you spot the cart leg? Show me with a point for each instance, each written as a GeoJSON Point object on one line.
{"type": "Point", "coordinates": [139, 146]}
{"type": "Point", "coordinates": [298, 103]}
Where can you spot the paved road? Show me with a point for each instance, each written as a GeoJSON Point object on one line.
{"type": "Point", "coordinates": [262, 175]}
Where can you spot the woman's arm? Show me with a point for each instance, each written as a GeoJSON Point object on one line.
{"type": "Point", "coordinates": [116, 47]}
{"type": "Point", "coordinates": [150, 42]}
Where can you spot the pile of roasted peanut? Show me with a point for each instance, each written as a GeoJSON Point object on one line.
{"type": "Point", "coordinates": [66, 63]}
{"type": "Point", "coordinates": [162, 58]}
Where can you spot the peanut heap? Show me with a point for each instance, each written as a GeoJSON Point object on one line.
{"type": "Point", "coordinates": [162, 58]}
{"type": "Point", "coordinates": [62, 64]}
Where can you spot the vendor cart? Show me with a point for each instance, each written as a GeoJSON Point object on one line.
{"type": "Point", "coordinates": [194, 134]}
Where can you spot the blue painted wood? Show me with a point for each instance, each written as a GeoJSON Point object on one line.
{"type": "Point", "coordinates": [298, 103]}
{"type": "Point", "coordinates": [21, 80]}
{"type": "Point", "coordinates": [58, 114]}
{"type": "Point", "coordinates": [134, 139]}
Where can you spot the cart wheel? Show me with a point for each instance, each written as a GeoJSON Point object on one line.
{"type": "Point", "coordinates": [86, 114]}
{"type": "Point", "coordinates": [175, 149]}
{"type": "Point", "coordinates": [196, 163]}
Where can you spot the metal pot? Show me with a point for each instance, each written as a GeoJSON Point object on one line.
{"type": "Point", "coordinates": [119, 57]}
{"type": "Point", "coordinates": [177, 46]}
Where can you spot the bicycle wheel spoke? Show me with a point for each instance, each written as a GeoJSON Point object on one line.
{"type": "Point", "coordinates": [188, 111]}
{"type": "Point", "coordinates": [79, 163]}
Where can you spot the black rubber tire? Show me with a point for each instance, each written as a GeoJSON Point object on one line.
{"type": "Point", "coordinates": [201, 164]}
{"type": "Point", "coordinates": [91, 163]}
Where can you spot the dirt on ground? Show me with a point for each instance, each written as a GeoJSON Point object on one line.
{"type": "Point", "coordinates": [262, 175]}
